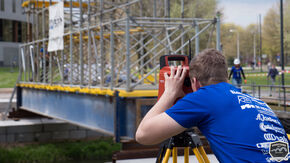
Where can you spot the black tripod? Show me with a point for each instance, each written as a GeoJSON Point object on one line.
{"type": "Point", "coordinates": [187, 139]}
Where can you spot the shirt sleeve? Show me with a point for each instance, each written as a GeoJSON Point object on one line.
{"type": "Point", "coordinates": [243, 73]}
{"type": "Point", "coordinates": [231, 73]}
{"type": "Point", "coordinates": [188, 112]}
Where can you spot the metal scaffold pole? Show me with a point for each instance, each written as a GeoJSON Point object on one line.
{"type": "Point", "coordinates": [142, 42]}
{"type": "Point", "coordinates": [282, 52]}
{"type": "Point", "coordinates": [197, 38]}
{"type": "Point", "coordinates": [182, 29]}
{"type": "Point", "coordinates": [37, 49]}
{"type": "Point", "coordinates": [127, 37]}
{"type": "Point", "coordinates": [89, 44]}
{"type": "Point", "coordinates": [102, 58]}
{"type": "Point", "coordinates": [112, 54]}
{"type": "Point", "coordinates": [106, 45]}
{"type": "Point", "coordinates": [81, 60]}
{"type": "Point", "coordinates": [218, 41]}
{"type": "Point", "coordinates": [43, 45]}
{"type": "Point", "coordinates": [71, 43]}
{"type": "Point", "coordinates": [50, 61]}
{"type": "Point", "coordinates": [154, 61]}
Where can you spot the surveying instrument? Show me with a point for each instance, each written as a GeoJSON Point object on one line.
{"type": "Point", "coordinates": [187, 139]}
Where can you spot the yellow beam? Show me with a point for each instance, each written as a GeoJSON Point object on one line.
{"type": "Point", "coordinates": [93, 91]}
{"type": "Point", "coordinates": [39, 4]}
{"type": "Point", "coordinates": [107, 35]}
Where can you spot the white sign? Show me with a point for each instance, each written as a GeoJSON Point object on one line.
{"type": "Point", "coordinates": [56, 27]}
{"type": "Point", "coordinates": [264, 56]}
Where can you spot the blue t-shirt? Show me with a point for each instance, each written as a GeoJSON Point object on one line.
{"type": "Point", "coordinates": [237, 72]}
{"type": "Point", "coordinates": [239, 127]}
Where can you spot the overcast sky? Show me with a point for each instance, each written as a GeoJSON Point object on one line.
{"type": "Point", "coordinates": [245, 12]}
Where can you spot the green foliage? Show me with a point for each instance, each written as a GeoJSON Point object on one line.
{"type": "Point", "coordinates": [8, 77]}
{"type": "Point", "coordinates": [271, 33]}
{"type": "Point", "coordinates": [65, 151]}
{"type": "Point", "coordinates": [287, 25]}
{"type": "Point", "coordinates": [196, 9]}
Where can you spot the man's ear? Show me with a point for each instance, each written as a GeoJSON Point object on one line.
{"type": "Point", "coordinates": [192, 82]}
{"type": "Point", "coordinates": [195, 84]}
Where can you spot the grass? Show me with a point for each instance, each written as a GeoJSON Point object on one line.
{"type": "Point", "coordinates": [98, 150]}
{"type": "Point", "coordinates": [8, 77]}
{"type": "Point", "coordinates": [263, 80]}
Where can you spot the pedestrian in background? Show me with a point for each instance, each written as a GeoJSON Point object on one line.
{"type": "Point", "coordinates": [237, 72]}
{"type": "Point", "coordinates": [273, 72]}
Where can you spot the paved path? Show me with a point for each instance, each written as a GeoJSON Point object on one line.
{"type": "Point", "coordinates": [211, 157]}
{"type": "Point", "coordinates": [5, 94]}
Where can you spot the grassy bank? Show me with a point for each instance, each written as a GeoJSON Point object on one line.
{"type": "Point", "coordinates": [8, 77]}
{"type": "Point", "coordinates": [258, 79]}
{"type": "Point", "coordinates": [99, 150]}
{"type": "Point", "coordinates": [263, 80]}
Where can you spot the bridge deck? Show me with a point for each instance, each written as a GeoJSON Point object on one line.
{"type": "Point", "coordinates": [114, 112]}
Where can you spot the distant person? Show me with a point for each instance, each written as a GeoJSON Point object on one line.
{"type": "Point", "coordinates": [237, 72]}
{"type": "Point", "coordinates": [252, 65]}
{"type": "Point", "coordinates": [273, 72]}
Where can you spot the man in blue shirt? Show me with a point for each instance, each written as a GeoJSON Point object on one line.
{"type": "Point", "coordinates": [239, 127]}
{"type": "Point", "coordinates": [237, 72]}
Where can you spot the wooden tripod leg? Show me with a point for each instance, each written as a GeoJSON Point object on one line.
{"type": "Point", "coordinates": [198, 155]}
{"type": "Point", "coordinates": [174, 155]}
{"type": "Point", "coordinates": [203, 154]}
{"type": "Point", "coordinates": [186, 155]}
{"type": "Point", "coordinates": [167, 155]}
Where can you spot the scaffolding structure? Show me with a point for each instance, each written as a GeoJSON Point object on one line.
{"type": "Point", "coordinates": [107, 44]}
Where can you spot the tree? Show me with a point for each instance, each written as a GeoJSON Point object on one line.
{"type": "Point", "coordinates": [271, 33]}
{"type": "Point", "coordinates": [196, 9]}
{"type": "Point", "coordinates": [287, 29]}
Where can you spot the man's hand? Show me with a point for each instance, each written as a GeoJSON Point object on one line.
{"type": "Point", "coordinates": [174, 82]}
{"type": "Point", "coordinates": [157, 126]}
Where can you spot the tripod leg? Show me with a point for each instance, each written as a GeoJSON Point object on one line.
{"type": "Point", "coordinates": [203, 154]}
{"type": "Point", "coordinates": [198, 155]}
{"type": "Point", "coordinates": [161, 154]}
{"type": "Point", "coordinates": [186, 154]}
{"type": "Point", "coordinates": [174, 155]}
{"type": "Point", "coordinates": [167, 155]}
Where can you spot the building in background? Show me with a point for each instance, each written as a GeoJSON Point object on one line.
{"type": "Point", "coordinates": [12, 31]}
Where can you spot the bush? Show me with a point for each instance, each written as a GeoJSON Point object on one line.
{"type": "Point", "coordinates": [57, 152]}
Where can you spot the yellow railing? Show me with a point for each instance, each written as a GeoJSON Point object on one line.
{"type": "Point", "coordinates": [93, 91]}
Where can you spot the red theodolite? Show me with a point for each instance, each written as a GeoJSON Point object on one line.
{"type": "Point", "coordinates": [165, 68]}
